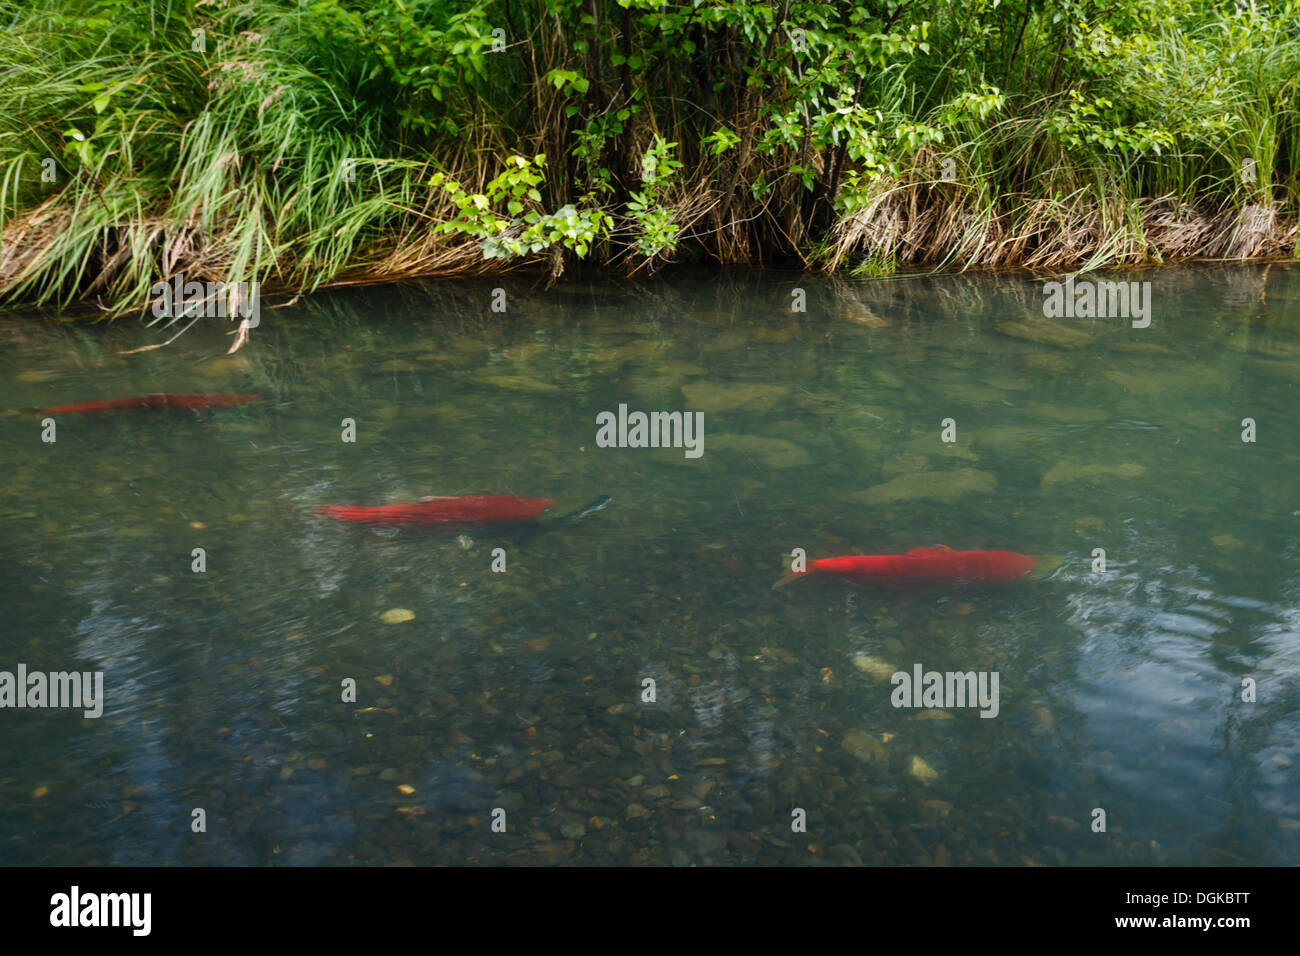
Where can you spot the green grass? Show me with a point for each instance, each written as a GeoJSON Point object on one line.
{"type": "Point", "coordinates": [300, 146]}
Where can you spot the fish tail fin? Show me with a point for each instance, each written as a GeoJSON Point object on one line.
{"type": "Point", "coordinates": [791, 575]}
{"type": "Point", "coordinates": [1048, 566]}
{"type": "Point", "coordinates": [571, 509]}
{"type": "Point", "coordinates": [785, 580]}
{"type": "Point", "coordinates": [789, 578]}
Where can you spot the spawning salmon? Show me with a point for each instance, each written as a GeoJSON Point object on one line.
{"type": "Point", "coordinates": [923, 567]}
{"type": "Point", "coordinates": [157, 400]}
{"type": "Point", "coordinates": [466, 511]}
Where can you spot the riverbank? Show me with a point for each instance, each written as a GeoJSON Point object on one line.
{"type": "Point", "coordinates": [346, 142]}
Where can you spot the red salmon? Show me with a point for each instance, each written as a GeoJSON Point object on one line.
{"type": "Point", "coordinates": [469, 510]}
{"type": "Point", "coordinates": [924, 567]}
{"type": "Point", "coordinates": [158, 400]}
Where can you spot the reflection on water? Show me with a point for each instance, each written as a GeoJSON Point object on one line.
{"type": "Point", "coordinates": [523, 690]}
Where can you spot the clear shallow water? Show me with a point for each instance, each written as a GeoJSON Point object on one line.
{"type": "Point", "coordinates": [521, 690]}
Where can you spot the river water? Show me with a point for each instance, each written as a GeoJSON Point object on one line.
{"type": "Point", "coordinates": [630, 689]}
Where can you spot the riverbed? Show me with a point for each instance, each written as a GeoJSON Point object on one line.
{"type": "Point", "coordinates": [628, 688]}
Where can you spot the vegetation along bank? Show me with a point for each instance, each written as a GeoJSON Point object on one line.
{"type": "Point", "coordinates": [300, 144]}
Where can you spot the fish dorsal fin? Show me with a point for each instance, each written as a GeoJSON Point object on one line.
{"type": "Point", "coordinates": [934, 549]}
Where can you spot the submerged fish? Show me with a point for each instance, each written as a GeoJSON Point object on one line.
{"type": "Point", "coordinates": [922, 567]}
{"type": "Point", "coordinates": [468, 510]}
{"type": "Point", "coordinates": [157, 400]}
